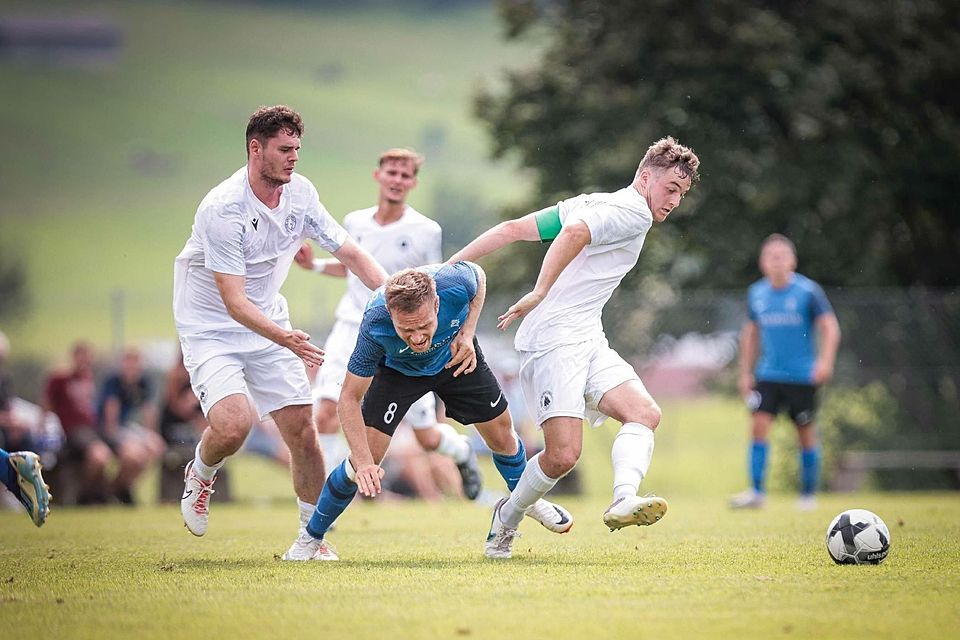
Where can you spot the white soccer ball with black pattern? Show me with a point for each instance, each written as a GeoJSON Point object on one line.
{"type": "Point", "coordinates": [858, 536]}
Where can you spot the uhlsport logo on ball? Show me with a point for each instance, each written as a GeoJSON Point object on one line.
{"type": "Point", "coordinates": [858, 536]}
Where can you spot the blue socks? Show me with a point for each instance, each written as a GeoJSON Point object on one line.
{"type": "Point", "coordinates": [338, 492]}
{"type": "Point", "coordinates": [511, 467]}
{"type": "Point", "coordinates": [809, 470]}
{"type": "Point", "coordinates": [758, 464]}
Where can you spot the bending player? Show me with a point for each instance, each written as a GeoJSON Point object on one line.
{"type": "Point", "coordinates": [417, 336]}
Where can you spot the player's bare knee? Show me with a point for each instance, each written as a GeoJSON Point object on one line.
{"type": "Point", "coordinates": [559, 462]}
{"type": "Point", "coordinates": [648, 414]}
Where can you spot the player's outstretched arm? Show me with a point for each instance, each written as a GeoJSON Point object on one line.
{"type": "Point", "coordinates": [355, 431]}
{"type": "Point", "coordinates": [306, 260]}
{"type": "Point", "coordinates": [246, 313]}
{"type": "Point", "coordinates": [569, 243]}
{"type": "Point", "coordinates": [358, 260]}
{"type": "Point", "coordinates": [524, 228]}
{"type": "Point", "coordinates": [463, 354]}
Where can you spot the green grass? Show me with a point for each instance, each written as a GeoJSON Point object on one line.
{"type": "Point", "coordinates": [88, 220]}
{"type": "Point", "coordinates": [416, 570]}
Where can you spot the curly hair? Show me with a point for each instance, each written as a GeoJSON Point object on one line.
{"type": "Point", "coordinates": [266, 122]}
{"type": "Point", "coordinates": [407, 290]}
{"type": "Point", "coordinates": [667, 152]}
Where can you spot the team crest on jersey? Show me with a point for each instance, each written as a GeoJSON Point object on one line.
{"type": "Point", "coordinates": [404, 243]}
{"type": "Point", "coordinates": [290, 223]}
{"type": "Point", "coordinates": [546, 399]}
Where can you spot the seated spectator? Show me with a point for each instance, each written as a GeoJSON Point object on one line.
{"type": "Point", "coordinates": [15, 433]}
{"type": "Point", "coordinates": [181, 418]}
{"type": "Point", "coordinates": [70, 394]}
{"type": "Point", "coordinates": [410, 471]}
{"type": "Point", "coordinates": [128, 423]}
{"type": "Point", "coordinates": [265, 440]}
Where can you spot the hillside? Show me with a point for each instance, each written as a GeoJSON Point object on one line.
{"type": "Point", "coordinates": [112, 156]}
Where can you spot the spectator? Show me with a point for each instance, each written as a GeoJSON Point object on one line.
{"type": "Point", "coordinates": [181, 418]}
{"type": "Point", "coordinates": [128, 423]}
{"type": "Point", "coordinates": [15, 433]}
{"type": "Point", "coordinates": [70, 395]}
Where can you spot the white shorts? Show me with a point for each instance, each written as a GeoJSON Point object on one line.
{"type": "Point", "coordinates": [229, 362]}
{"type": "Point", "coordinates": [570, 379]}
{"type": "Point", "coordinates": [337, 351]}
{"type": "Point", "coordinates": [338, 348]}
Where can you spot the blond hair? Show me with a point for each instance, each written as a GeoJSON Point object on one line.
{"type": "Point", "coordinates": [407, 290]}
{"type": "Point", "coordinates": [666, 153]}
{"type": "Point", "coordinates": [402, 154]}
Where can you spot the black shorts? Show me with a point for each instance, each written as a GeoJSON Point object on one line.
{"type": "Point", "coordinates": [469, 398]}
{"type": "Point", "coordinates": [799, 400]}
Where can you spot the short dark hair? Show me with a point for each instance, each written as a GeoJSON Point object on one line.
{"type": "Point", "coordinates": [782, 239]}
{"type": "Point", "coordinates": [266, 122]}
{"type": "Point", "coordinates": [407, 290]}
{"type": "Point", "coordinates": [667, 152]}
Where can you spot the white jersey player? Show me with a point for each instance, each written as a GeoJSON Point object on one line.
{"type": "Point", "coordinates": [398, 237]}
{"type": "Point", "coordinates": [233, 322]}
{"type": "Point", "coordinates": [568, 371]}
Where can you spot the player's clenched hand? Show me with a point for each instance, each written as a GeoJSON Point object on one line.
{"type": "Point", "coordinates": [299, 342]}
{"type": "Point", "coordinates": [304, 257]}
{"type": "Point", "coordinates": [520, 308]}
{"type": "Point", "coordinates": [368, 479]}
{"type": "Point", "coordinates": [464, 355]}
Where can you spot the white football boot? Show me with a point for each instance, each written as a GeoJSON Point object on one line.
{"type": "Point", "coordinates": [749, 499]}
{"type": "Point", "coordinates": [807, 502]}
{"type": "Point", "coordinates": [195, 502]}
{"type": "Point", "coordinates": [634, 510]}
{"type": "Point", "coordinates": [306, 547]}
{"type": "Point", "coordinates": [500, 538]}
{"type": "Point", "coordinates": [550, 515]}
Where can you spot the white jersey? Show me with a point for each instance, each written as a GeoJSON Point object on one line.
{"type": "Point", "coordinates": [572, 310]}
{"type": "Point", "coordinates": [410, 241]}
{"type": "Point", "coordinates": [235, 233]}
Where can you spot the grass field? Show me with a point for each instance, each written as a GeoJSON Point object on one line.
{"type": "Point", "coordinates": [416, 570]}
{"type": "Point", "coordinates": [112, 159]}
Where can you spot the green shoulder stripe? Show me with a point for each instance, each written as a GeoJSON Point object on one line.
{"type": "Point", "coordinates": [548, 223]}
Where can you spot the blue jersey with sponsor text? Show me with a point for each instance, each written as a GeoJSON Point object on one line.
{"type": "Point", "coordinates": [786, 319]}
{"type": "Point", "coordinates": [378, 342]}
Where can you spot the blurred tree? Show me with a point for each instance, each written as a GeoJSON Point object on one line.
{"type": "Point", "coordinates": [13, 287]}
{"type": "Point", "coordinates": [833, 122]}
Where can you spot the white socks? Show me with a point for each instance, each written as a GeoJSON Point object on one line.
{"type": "Point", "coordinates": [306, 512]}
{"type": "Point", "coordinates": [205, 471]}
{"type": "Point", "coordinates": [533, 485]}
{"type": "Point", "coordinates": [631, 454]}
{"type": "Point", "coordinates": [452, 444]}
{"type": "Point", "coordinates": [334, 450]}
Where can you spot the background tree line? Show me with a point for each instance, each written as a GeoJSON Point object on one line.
{"type": "Point", "coordinates": [833, 122]}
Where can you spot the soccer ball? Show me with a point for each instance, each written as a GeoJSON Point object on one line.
{"type": "Point", "coordinates": [858, 536]}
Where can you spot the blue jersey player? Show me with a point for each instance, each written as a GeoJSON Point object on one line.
{"type": "Point", "coordinates": [788, 347]}
{"type": "Point", "coordinates": [417, 336]}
